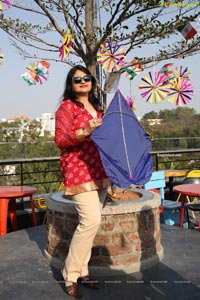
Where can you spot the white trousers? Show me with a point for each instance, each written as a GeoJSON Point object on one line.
{"type": "Point", "coordinates": [89, 206]}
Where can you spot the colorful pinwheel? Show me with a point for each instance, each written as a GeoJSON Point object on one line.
{"type": "Point", "coordinates": [182, 72]}
{"type": "Point", "coordinates": [156, 88]}
{"type": "Point", "coordinates": [1, 59]}
{"type": "Point", "coordinates": [181, 91]}
{"type": "Point", "coordinates": [67, 43]}
{"type": "Point", "coordinates": [175, 86]}
{"type": "Point", "coordinates": [111, 55]}
{"type": "Point", "coordinates": [36, 72]}
{"type": "Point", "coordinates": [7, 2]}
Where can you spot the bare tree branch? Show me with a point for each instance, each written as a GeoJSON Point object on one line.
{"type": "Point", "coordinates": [133, 24]}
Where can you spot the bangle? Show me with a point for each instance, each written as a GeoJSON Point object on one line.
{"type": "Point", "coordinates": [79, 134]}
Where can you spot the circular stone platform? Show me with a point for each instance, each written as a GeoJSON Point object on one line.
{"type": "Point", "coordinates": [128, 238]}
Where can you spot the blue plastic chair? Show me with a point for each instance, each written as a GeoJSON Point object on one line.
{"type": "Point", "coordinates": [157, 181]}
{"type": "Point", "coordinates": [170, 215]}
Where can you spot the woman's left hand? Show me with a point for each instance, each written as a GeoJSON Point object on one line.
{"type": "Point", "coordinates": [92, 124]}
{"type": "Point", "coordinates": [96, 122]}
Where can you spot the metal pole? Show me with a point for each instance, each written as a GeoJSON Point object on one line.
{"type": "Point", "coordinates": [95, 24]}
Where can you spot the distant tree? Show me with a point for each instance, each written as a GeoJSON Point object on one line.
{"type": "Point", "coordinates": [151, 115]}
{"type": "Point", "coordinates": [10, 131]}
{"type": "Point", "coordinates": [166, 114]}
{"type": "Point", "coordinates": [133, 24]}
{"type": "Point", "coordinates": [184, 113]}
{"type": "Point", "coordinates": [31, 131]}
{"type": "Point", "coordinates": [179, 113]}
{"type": "Point", "coordinates": [22, 139]}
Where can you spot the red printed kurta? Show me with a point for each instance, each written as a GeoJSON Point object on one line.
{"type": "Point", "coordinates": [80, 162]}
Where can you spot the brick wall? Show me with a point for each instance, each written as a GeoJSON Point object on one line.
{"type": "Point", "coordinates": [122, 239]}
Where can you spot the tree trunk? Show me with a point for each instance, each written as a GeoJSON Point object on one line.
{"type": "Point", "coordinates": [91, 59]}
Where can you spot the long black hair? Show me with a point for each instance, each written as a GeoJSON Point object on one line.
{"type": "Point", "coordinates": [69, 93]}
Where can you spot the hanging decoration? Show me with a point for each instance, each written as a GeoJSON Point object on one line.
{"type": "Point", "coordinates": [182, 72]}
{"type": "Point", "coordinates": [137, 66]}
{"type": "Point", "coordinates": [155, 87]}
{"type": "Point", "coordinates": [172, 85]}
{"type": "Point", "coordinates": [8, 3]}
{"type": "Point", "coordinates": [166, 69]}
{"type": "Point", "coordinates": [67, 43]}
{"type": "Point", "coordinates": [187, 30]}
{"type": "Point", "coordinates": [1, 58]}
{"type": "Point", "coordinates": [37, 72]}
{"type": "Point", "coordinates": [165, 4]}
{"type": "Point", "coordinates": [133, 70]}
{"type": "Point", "coordinates": [131, 103]}
{"type": "Point", "coordinates": [130, 73]}
{"type": "Point", "coordinates": [181, 91]}
{"type": "Point", "coordinates": [111, 55]}
{"type": "Point", "coordinates": [168, 73]}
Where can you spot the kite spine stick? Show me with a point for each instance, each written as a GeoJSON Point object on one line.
{"type": "Point", "coordinates": [124, 138]}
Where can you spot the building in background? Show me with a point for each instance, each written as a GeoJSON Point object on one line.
{"type": "Point", "coordinates": [48, 123]}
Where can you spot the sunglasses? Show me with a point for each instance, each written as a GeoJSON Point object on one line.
{"type": "Point", "coordinates": [86, 78]}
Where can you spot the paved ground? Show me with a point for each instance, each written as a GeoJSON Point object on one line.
{"type": "Point", "coordinates": [26, 275]}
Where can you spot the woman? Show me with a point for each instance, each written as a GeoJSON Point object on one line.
{"type": "Point", "coordinates": [83, 175]}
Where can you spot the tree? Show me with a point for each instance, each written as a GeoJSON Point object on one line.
{"type": "Point", "coordinates": [134, 24]}
{"type": "Point", "coordinates": [151, 115]}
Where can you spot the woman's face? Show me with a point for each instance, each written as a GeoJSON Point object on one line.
{"type": "Point", "coordinates": [81, 83]}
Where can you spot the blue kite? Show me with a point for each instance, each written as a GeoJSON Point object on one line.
{"type": "Point", "coordinates": [124, 145]}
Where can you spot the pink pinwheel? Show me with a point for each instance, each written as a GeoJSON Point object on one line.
{"type": "Point", "coordinates": [7, 2]}
{"type": "Point", "coordinates": [156, 87]}
{"type": "Point", "coordinates": [181, 91]}
{"type": "Point", "coordinates": [67, 43]}
{"type": "Point", "coordinates": [111, 55]}
{"type": "Point", "coordinates": [131, 103]}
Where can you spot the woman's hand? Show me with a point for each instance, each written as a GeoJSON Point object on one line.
{"type": "Point", "coordinates": [150, 136]}
{"type": "Point", "coordinates": [92, 124]}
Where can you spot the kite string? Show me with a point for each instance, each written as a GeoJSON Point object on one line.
{"type": "Point", "coordinates": [124, 139]}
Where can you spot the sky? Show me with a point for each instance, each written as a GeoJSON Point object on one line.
{"type": "Point", "coordinates": [18, 98]}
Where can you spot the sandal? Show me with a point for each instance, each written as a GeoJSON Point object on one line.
{"type": "Point", "coordinates": [73, 290]}
{"type": "Point", "coordinates": [89, 282]}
